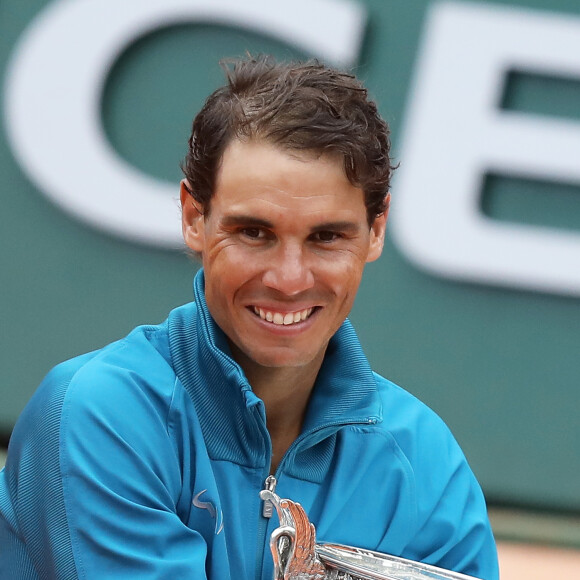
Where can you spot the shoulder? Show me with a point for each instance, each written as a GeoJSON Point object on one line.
{"type": "Point", "coordinates": [423, 438]}
{"type": "Point", "coordinates": [127, 376]}
{"type": "Point", "coordinates": [139, 362]}
{"type": "Point", "coordinates": [408, 419]}
{"type": "Point", "coordinates": [101, 414]}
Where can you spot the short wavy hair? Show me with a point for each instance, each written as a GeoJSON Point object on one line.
{"type": "Point", "coordinates": [299, 106]}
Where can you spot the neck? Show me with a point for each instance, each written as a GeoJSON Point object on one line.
{"type": "Point", "coordinates": [285, 392]}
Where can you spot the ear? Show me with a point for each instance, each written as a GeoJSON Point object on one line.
{"type": "Point", "coordinates": [378, 229]}
{"type": "Point", "coordinates": [192, 219]}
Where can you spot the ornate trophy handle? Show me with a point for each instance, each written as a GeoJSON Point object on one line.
{"type": "Point", "coordinates": [297, 556]}
{"type": "Point", "coordinates": [293, 544]}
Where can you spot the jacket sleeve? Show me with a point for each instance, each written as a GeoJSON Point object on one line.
{"type": "Point", "coordinates": [446, 524]}
{"type": "Point", "coordinates": [94, 483]}
{"type": "Point", "coordinates": [455, 530]}
{"type": "Point", "coordinates": [452, 525]}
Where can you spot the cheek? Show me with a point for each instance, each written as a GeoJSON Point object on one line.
{"type": "Point", "coordinates": [348, 280]}
{"type": "Point", "coordinates": [225, 258]}
{"type": "Point", "coordinates": [229, 268]}
{"type": "Point", "coordinates": [345, 268]}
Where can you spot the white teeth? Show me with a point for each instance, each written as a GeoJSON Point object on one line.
{"type": "Point", "coordinates": [283, 319]}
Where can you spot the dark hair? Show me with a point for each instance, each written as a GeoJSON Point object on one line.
{"type": "Point", "coordinates": [298, 106]}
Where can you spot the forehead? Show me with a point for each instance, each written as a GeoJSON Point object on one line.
{"type": "Point", "coordinates": [261, 174]}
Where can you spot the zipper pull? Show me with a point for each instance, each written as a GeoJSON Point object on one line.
{"type": "Point", "coordinates": [268, 507]}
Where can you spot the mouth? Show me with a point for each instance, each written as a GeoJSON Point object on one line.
{"type": "Point", "coordinates": [283, 318]}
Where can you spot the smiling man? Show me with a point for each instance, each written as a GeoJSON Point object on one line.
{"type": "Point", "coordinates": [283, 243]}
{"type": "Point", "coordinates": [145, 459]}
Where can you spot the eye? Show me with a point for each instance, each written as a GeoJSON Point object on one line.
{"type": "Point", "coordinates": [254, 233]}
{"type": "Point", "coordinates": [326, 236]}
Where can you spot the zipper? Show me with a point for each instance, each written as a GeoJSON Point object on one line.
{"type": "Point", "coordinates": [267, 511]}
{"type": "Point", "coordinates": [268, 507]}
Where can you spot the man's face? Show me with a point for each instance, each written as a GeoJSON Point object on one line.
{"type": "Point", "coordinates": [283, 248]}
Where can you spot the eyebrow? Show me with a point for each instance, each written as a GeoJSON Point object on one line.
{"type": "Point", "coordinates": [246, 220]}
{"type": "Point", "coordinates": [249, 220]}
{"type": "Point", "coordinates": [340, 226]}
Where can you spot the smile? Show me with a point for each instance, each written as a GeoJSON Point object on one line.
{"type": "Point", "coordinates": [283, 318]}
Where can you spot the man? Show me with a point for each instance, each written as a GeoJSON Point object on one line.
{"type": "Point", "coordinates": [145, 459]}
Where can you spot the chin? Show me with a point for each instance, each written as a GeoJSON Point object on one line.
{"type": "Point", "coordinates": [280, 358]}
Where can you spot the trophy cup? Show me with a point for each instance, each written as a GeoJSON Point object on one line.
{"type": "Point", "coordinates": [297, 556]}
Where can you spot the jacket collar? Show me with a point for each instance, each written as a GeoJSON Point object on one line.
{"type": "Point", "coordinates": [232, 417]}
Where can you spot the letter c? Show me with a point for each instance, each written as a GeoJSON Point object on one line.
{"type": "Point", "coordinates": [55, 80]}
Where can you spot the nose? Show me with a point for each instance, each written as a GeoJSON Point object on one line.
{"type": "Point", "coordinates": [288, 270]}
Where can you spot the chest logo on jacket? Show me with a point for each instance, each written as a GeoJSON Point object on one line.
{"type": "Point", "coordinates": [210, 507]}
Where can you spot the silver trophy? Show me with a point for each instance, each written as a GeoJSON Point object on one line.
{"type": "Point", "coordinates": [297, 556]}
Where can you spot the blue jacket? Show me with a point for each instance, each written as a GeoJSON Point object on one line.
{"type": "Point", "coordinates": [145, 460]}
